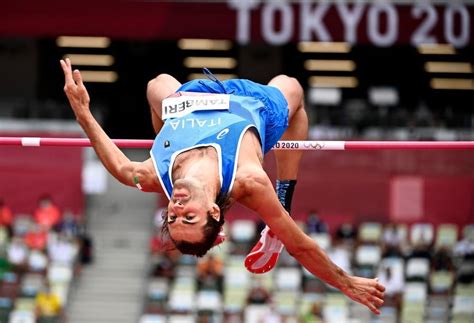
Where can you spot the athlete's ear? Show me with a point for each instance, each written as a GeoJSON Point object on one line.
{"type": "Point", "coordinates": [215, 212]}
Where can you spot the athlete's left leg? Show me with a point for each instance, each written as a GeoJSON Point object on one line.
{"type": "Point", "coordinates": [288, 160]}
{"type": "Point", "coordinates": [157, 90]}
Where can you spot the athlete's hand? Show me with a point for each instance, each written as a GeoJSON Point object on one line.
{"type": "Point", "coordinates": [368, 292]}
{"type": "Point", "coordinates": [75, 90]}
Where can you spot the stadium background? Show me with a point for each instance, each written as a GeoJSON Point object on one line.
{"type": "Point", "coordinates": [371, 71]}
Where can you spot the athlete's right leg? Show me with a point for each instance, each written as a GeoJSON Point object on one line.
{"type": "Point", "coordinates": [158, 89]}
{"type": "Point", "coordinates": [265, 253]}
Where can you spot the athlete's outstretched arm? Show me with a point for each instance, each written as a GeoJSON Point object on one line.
{"type": "Point", "coordinates": [111, 156]}
{"type": "Point", "coordinates": [260, 197]}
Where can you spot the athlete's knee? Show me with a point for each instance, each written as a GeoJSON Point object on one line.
{"type": "Point", "coordinates": [294, 87]}
{"type": "Point", "coordinates": [160, 81]}
{"type": "Point", "coordinates": [291, 89]}
{"type": "Point", "coordinates": [160, 88]}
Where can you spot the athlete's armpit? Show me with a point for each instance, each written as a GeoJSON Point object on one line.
{"type": "Point", "coordinates": [143, 176]}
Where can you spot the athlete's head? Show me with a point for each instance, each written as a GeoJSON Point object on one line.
{"type": "Point", "coordinates": [193, 219]}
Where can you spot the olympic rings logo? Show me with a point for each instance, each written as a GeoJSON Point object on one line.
{"type": "Point", "coordinates": [308, 145]}
{"type": "Point", "coordinates": [314, 145]}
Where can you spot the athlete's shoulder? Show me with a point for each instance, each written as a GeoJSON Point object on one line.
{"type": "Point", "coordinates": [249, 179]}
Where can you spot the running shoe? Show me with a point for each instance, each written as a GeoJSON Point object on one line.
{"type": "Point", "coordinates": [264, 255]}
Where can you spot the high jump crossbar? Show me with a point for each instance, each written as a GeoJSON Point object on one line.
{"type": "Point", "coordinates": [281, 145]}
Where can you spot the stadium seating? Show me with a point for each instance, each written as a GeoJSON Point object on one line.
{"type": "Point", "coordinates": [416, 292]}
{"type": "Point", "coordinates": [21, 282]}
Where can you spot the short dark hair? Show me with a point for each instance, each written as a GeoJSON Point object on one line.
{"type": "Point", "coordinates": [210, 231]}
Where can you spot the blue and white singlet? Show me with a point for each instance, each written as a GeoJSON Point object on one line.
{"type": "Point", "coordinates": [221, 129]}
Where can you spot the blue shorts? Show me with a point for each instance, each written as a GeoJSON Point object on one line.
{"type": "Point", "coordinates": [275, 116]}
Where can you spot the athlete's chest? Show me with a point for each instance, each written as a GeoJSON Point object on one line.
{"type": "Point", "coordinates": [202, 157]}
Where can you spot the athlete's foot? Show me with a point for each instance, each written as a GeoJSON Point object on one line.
{"type": "Point", "coordinates": [264, 256]}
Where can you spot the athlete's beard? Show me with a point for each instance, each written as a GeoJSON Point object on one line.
{"type": "Point", "coordinates": [191, 187]}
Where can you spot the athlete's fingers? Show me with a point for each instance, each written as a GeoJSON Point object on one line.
{"type": "Point", "coordinates": [78, 77]}
{"type": "Point", "coordinates": [69, 68]}
{"type": "Point", "coordinates": [372, 307]}
{"type": "Point", "coordinates": [377, 301]}
{"type": "Point", "coordinates": [67, 73]}
{"type": "Point", "coordinates": [378, 293]}
{"type": "Point", "coordinates": [380, 287]}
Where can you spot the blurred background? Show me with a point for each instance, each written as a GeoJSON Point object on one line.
{"type": "Point", "coordinates": [75, 246]}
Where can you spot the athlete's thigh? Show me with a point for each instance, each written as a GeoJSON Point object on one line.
{"type": "Point", "coordinates": [291, 90]}
{"type": "Point", "coordinates": [160, 88]}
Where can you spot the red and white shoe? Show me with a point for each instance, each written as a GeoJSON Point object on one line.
{"type": "Point", "coordinates": [264, 255]}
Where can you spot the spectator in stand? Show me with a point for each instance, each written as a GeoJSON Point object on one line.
{"type": "Point", "coordinates": [4, 239]}
{"type": "Point", "coordinates": [36, 238]}
{"type": "Point", "coordinates": [164, 266]}
{"type": "Point", "coordinates": [346, 233]}
{"type": "Point", "coordinates": [86, 247]}
{"type": "Point", "coordinates": [464, 250]}
{"type": "Point", "coordinates": [314, 315]}
{"type": "Point", "coordinates": [69, 225]}
{"type": "Point", "coordinates": [258, 294]}
{"type": "Point", "coordinates": [48, 306]}
{"type": "Point", "coordinates": [394, 284]}
{"type": "Point", "coordinates": [392, 241]}
{"type": "Point", "coordinates": [47, 214]}
{"type": "Point", "coordinates": [340, 254]}
{"type": "Point", "coordinates": [421, 250]}
{"type": "Point", "coordinates": [37, 261]}
{"type": "Point", "coordinates": [271, 316]}
{"type": "Point", "coordinates": [62, 251]}
{"type": "Point", "coordinates": [6, 217]}
{"type": "Point", "coordinates": [205, 317]}
{"type": "Point", "coordinates": [210, 272]}
{"type": "Point", "coordinates": [442, 260]}
{"type": "Point", "coordinates": [314, 223]}
{"type": "Point", "coordinates": [17, 254]}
